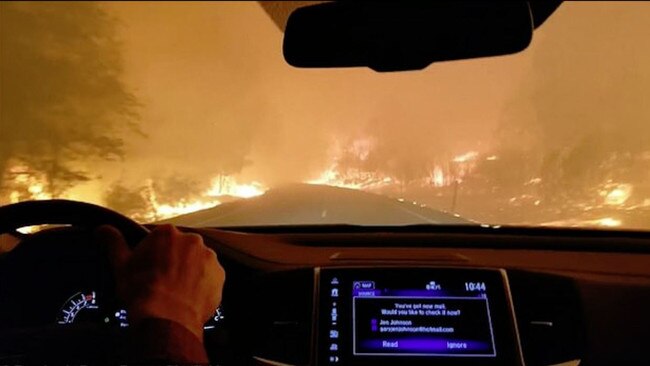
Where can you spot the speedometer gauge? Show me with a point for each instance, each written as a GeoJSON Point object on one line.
{"type": "Point", "coordinates": [83, 307]}
{"type": "Point", "coordinates": [215, 320]}
{"type": "Point", "coordinates": [79, 305]}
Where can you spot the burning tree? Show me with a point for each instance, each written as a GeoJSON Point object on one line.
{"type": "Point", "coordinates": [63, 103]}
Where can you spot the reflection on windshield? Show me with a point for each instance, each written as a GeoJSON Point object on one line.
{"type": "Point", "coordinates": [100, 102]}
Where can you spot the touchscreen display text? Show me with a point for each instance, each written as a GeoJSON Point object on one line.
{"type": "Point", "coordinates": [415, 316]}
{"type": "Point", "coordinates": [415, 325]}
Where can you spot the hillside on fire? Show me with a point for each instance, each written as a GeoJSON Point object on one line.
{"type": "Point", "coordinates": [101, 104]}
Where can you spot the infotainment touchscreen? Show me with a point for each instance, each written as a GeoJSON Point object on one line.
{"type": "Point", "coordinates": [391, 315]}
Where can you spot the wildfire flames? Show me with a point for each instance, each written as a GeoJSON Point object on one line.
{"type": "Point", "coordinates": [34, 185]}
{"type": "Point", "coordinates": [445, 175]}
{"type": "Point", "coordinates": [30, 186]}
{"type": "Point", "coordinates": [616, 194]}
{"type": "Point", "coordinates": [222, 186]}
{"type": "Point", "coordinates": [367, 181]}
{"type": "Point", "coordinates": [228, 186]}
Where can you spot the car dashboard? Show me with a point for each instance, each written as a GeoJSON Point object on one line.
{"type": "Point", "coordinates": [347, 296]}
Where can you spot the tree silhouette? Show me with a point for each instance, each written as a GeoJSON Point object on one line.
{"type": "Point", "coordinates": [583, 111]}
{"type": "Point", "coordinates": [62, 101]}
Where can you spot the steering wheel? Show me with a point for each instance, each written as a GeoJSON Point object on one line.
{"type": "Point", "coordinates": [64, 212]}
{"type": "Point", "coordinates": [23, 346]}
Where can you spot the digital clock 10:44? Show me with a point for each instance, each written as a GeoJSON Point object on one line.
{"type": "Point", "coordinates": [475, 286]}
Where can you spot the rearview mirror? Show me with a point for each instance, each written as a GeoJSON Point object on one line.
{"type": "Point", "coordinates": [394, 36]}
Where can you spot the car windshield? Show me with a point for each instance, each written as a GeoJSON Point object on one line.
{"type": "Point", "coordinates": [164, 109]}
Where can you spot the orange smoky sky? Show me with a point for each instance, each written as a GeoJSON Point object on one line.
{"type": "Point", "coordinates": [216, 91]}
{"type": "Point", "coordinates": [218, 97]}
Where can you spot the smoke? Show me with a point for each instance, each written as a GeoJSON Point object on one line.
{"type": "Point", "coordinates": [220, 99]}
{"type": "Point", "coordinates": [582, 113]}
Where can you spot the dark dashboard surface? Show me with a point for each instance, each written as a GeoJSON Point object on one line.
{"type": "Point", "coordinates": [589, 304]}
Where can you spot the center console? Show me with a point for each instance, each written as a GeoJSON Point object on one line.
{"type": "Point", "coordinates": [415, 316]}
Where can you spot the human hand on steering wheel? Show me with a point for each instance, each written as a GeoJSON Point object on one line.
{"type": "Point", "coordinates": [169, 275]}
{"type": "Point", "coordinates": [169, 281]}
